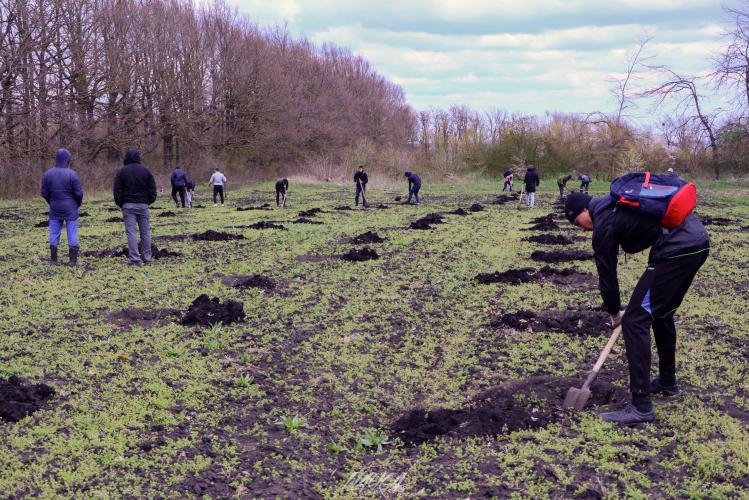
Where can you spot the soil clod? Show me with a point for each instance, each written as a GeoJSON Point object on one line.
{"type": "Point", "coordinates": [366, 238]}
{"type": "Point", "coordinates": [708, 220]}
{"type": "Point", "coordinates": [205, 311]}
{"type": "Point", "coordinates": [502, 199]}
{"type": "Point", "coordinates": [254, 281]}
{"type": "Point", "coordinates": [311, 212]}
{"type": "Point", "coordinates": [156, 253]}
{"type": "Point", "coordinates": [18, 399]}
{"type": "Point", "coordinates": [560, 255]}
{"type": "Point", "coordinates": [44, 223]}
{"type": "Point", "coordinates": [114, 219]}
{"type": "Point", "coordinates": [342, 207]}
{"type": "Point", "coordinates": [550, 239]}
{"type": "Point", "coordinates": [264, 206]}
{"type": "Point", "coordinates": [427, 221]}
{"type": "Point", "coordinates": [569, 276]}
{"type": "Point", "coordinates": [459, 211]}
{"type": "Point", "coordinates": [167, 213]}
{"type": "Point", "coordinates": [528, 404]}
{"type": "Point", "coordinates": [476, 207]}
{"type": "Point", "coordinates": [360, 255]}
{"type": "Point", "coordinates": [212, 235]}
{"type": "Point", "coordinates": [303, 220]}
{"type": "Point", "coordinates": [580, 323]}
{"type": "Point", "coordinates": [382, 206]}
{"type": "Point", "coordinates": [266, 225]}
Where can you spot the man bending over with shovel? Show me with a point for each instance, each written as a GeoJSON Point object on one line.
{"type": "Point", "coordinates": [675, 257]}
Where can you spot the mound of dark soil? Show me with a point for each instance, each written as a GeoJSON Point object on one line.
{"type": "Point", "coordinates": [342, 207]}
{"type": "Point", "coordinates": [398, 198]}
{"type": "Point", "coordinates": [156, 253]}
{"type": "Point", "coordinates": [427, 221]}
{"type": "Point", "coordinates": [527, 404]}
{"type": "Point", "coordinates": [707, 220]}
{"type": "Point", "coordinates": [205, 311]}
{"type": "Point", "coordinates": [114, 209]}
{"type": "Point", "coordinates": [580, 323]}
{"type": "Point", "coordinates": [502, 199]}
{"type": "Point", "coordinates": [366, 238]}
{"type": "Point", "coordinates": [114, 219]}
{"type": "Point", "coordinates": [545, 223]}
{"type": "Point", "coordinates": [212, 235]}
{"type": "Point", "coordinates": [311, 212]}
{"type": "Point", "coordinates": [382, 206]}
{"type": "Point", "coordinates": [264, 206]}
{"type": "Point", "coordinates": [560, 255]}
{"type": "Point", "coordinates": [44, 223]}
{"type": "Point", "coordinates": [18, 400]}
{"type": "Point", "coordinates": [569, 276]}
{"type": "Point", "coordinates": [267, 225]}
{"type": "Point", "coordinates": [549, 239]}
{"type": "Point", "coordinates": [459, 211]}
{"type": "Point", "coordinates": [360, 255]}
{"type": "Point", "coordinates": [168, 213]}
{"type": "Point", "coordinates": [302, 220]}
{"type": "Point", "coordinates": [254, 281]}
{"type": "Point", "coordinates": [476, 207]}
{"type": "Point", "coordinates": [161, 253]}
{"type": "Point", "coordinates": [199, 206]}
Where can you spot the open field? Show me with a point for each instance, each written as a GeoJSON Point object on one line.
{"type": "Point", "coordinates": [408, 376]}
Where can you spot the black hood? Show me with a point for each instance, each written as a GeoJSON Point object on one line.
{"type": "Point", "coordinates": [132, 156]}
{"type": "Point", "coordinates": [531, 169]}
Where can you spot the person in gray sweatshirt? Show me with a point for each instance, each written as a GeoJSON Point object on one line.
{"type": "Point", "coordinates": [218, 181]}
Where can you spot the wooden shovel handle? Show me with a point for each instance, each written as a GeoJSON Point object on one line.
{"type": "Point", "coordinates": [604, 354]}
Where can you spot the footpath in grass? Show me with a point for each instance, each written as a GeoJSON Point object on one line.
{"type": "Point", "coordinates": [413, 351]}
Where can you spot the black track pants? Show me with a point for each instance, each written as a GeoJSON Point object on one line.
{"type": "Point", "coordinates": [181, 191]}
{"type": "Point", "coordinates": [218, 190]}
{"type": "Point", "coordinates": [655, 299]}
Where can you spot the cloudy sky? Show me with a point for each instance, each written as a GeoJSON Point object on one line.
{"type": "Point", "coordinates": [527, 56]}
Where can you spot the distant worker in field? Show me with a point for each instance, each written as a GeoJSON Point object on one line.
{"type": "Point", "coordinates": [562, 184]}
{"type": "Point", "coordinates": [677, 253]}
{"type": "Point", "coordinates": [63, 191]}
{"type": "Point", "coordinates": [509, 178]}
{"type": "Point", "coordinates": [218, 181]}
{"type": "Point", "coordinates": [178, 180]}
{"type": "Point", "coordinates": [584, 183]}
{"type": "Point", "coordinates": [531, 181]}
{"type": "Point", "coordinates": [189, 193]}
{"type": "Point", "coordinates": [282, 189]}
{"type": "Point", "coordinates": [134, 190]}
{"type": "Point", "coordinates": [414, 185]}
{"type": "Point", "coordinates": [361, 179]}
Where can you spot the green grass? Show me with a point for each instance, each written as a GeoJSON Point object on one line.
{"type": "Point", "coordinates": [301, 395]}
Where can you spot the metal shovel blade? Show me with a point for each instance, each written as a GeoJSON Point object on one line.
{"type": "Point", "coordinates": [576, 398]}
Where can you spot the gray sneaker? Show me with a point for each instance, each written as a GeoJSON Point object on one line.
{"type": "Point", "coordinates": [666, 390]}
{"type": "Point", "coordinates": [628, 416]}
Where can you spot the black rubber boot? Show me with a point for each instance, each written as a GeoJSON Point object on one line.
{"type": "Point", "coordinates": [73, 253]}
{"type": "Point", "coordinates": [53, 254]}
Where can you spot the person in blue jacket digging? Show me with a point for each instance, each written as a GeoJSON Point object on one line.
{"type": "Point", "coordinates": [414, 185]}
{"type": "Point", "coordinates": [62, 189]}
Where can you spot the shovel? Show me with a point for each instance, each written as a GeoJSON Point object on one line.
{"type": "Point", "coordinates": [363, 197]}
{"type": "Point", "coordinates": [576, 398]}
{"type": "Point", "coordinates": [520, 200]}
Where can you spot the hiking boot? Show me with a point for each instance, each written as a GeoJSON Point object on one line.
{"type": "Point", "coordinates": [53, 254]}
{"type": "Point", "coordinates": [665, 390]}
{"type": "Point", "coordinates": [628, 416]}
{"type": "Point", "coordinates": [73, 253]}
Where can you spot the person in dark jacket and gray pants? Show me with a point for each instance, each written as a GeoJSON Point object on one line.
{"type": "Point", "coordinates": [531, 181]}
{"type": "Point", "coordinates": [675, 257]}
{"type": "Point", "coordinates": [178, 180]}
{"type": "Point", "coordinates": [62, 189]}
{"type": "Point", "coordinates": [134, 190]}
{"type": "Point", "coordinates": [361, 179]}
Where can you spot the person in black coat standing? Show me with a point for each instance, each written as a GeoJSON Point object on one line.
{"type": "Point", "coordinates": [134, 190]}
{"type": "Point", "coordinates": [361, 179]}
{"type": "Point", "coordinates": [179, 186]}
{"type": "Point", "coordinates": [531, 181]}
{"type": "Point", "coordinates": [282, 189]}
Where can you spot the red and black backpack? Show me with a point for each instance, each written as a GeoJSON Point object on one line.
{"type": "Point", "coordinates": [665, 198]}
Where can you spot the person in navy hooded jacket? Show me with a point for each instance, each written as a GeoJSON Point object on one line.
{"type": "Point", "coordinates": [62, 189]}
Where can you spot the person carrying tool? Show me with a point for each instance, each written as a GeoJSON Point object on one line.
{"type": "Point", "coordinates": [675, 257]}
{"type": "Point", "coordinates": [508, 181]}
{"type": "Point", "coordinates": [562, 184]}
{"type": "Point", "coordinates": [531, 181]}
{"type": "Point", "coordinates": [63, 191]}
{"type": "Point", "coordinates": [282, 189]}
{"type": "Point", "coordinates": [217, 180]}
{"type": "Point", "coordinates": [414, 185]}
{"type": "Point", "coordinates": [178, 180]}
{"type": "Point", "coordinates": [361, 179]}
{"type": "Point", "coordinates": [584, 183]}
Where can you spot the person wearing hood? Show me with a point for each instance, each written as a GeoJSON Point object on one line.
{"type": "Point", "coordinates": [63, 191]}
{"type": "Point", "coordinates": [531, 181]}
{"type": "Point", "coordinates": [414, 185]}
{"type": "Point", "coordinates": [178, 180]}
{"type": "Point", "coordinates": [361, 179]}
{"type": "Point", "coordinates": [562, 184]}
{"type": "Point", "coordinates": [282, 189]}
{"type": "Point", "coordinates": [675, 257]}
{"type": "Point", "coordinates": [134, 190]}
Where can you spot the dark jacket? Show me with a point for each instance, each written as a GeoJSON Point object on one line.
{"type": "Point", "coordinates": [562, 181]}
{"type": "Point", "coordinates": [282, 185]}
{"type": "Point", "coordinates": [584, 179]}
{"type": "Point", "coordinates": [62, 189]}
{"type": "Point", "coordinates": [414, 181]}
{"type": "Point", "coordinates": [617, 226]}
{"type": "Point", "coordinates": [531, 180]}
{"type": "Point", "coordinates": [178, 178]}
{"type": "Point", "coordinates": [190, 185]}
{"type": "Point", "coordinates": [361, 177]}
{"type": "Point", "coordinates": [134, 183]}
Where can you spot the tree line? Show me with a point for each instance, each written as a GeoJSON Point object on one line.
{"type": "Point", "coordinates": [188, 84]}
